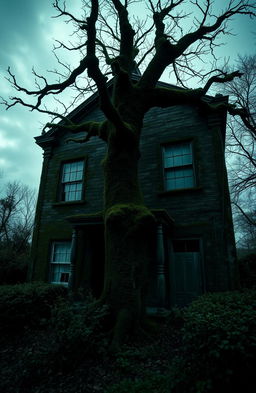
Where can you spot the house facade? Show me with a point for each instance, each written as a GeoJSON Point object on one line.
{"type": "Point", "coordinates": [184, 181]}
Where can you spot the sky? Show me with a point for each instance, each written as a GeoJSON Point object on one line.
{"type": "Point", "coordinates": [27, 31]}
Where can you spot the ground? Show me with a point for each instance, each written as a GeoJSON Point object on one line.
{"type": "Point", "coordinates": [138, 361]}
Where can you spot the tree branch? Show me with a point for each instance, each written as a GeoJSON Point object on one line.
{"type": "Point", "coordinates": [127, 34]}
{"type": "Point", "coordinates": [167, 53]}
{"type": "Point", "coordinates": [252, 222]}
{"type": "Point", "coordinates": [94, 70]}
{"type": "Point", "coordinates": [221, 79]}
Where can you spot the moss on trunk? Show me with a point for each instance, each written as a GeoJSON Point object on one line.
{"type": "Point", "coordinates": [128, 233]}
{"type": "Point", "coordinates": [129, 226]}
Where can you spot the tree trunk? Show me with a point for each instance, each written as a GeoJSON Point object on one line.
{"type": "Point", "coordinates": [128, 231]}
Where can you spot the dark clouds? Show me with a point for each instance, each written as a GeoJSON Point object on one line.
{"type": "Point", "coordinates": [25, 39]}
{"type": "Point", "coordinates": [26, 31]}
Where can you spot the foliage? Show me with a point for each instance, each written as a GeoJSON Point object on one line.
{"type": "Point", "coordinates": [218, 350]}
{"type": "Point", "coordinates": [153, 383]}
{"type": "Point", "coordinates": [79, 332]}
{"type": "Point", "coordinates": [247, 269]}
{"type": "Point", "coordinates": [69, 333]}
{"type": "Point", "coordinates": [13, 267]}
{"type": "Point", "coordinates": [27, 305]}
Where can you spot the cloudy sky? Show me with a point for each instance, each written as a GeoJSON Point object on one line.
{"type": "Point", "coordinates": [27, 32]}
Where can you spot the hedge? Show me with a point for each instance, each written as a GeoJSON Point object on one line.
{"type": "Point", "coordinates": [27, 305]}
{"type": "Point", "coordinates": [218, 351]}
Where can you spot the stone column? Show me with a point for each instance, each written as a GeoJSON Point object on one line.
{"type": "Point", "coordinates": [160, 269]}
{"type": "Point", "coordinates": [71, 281]}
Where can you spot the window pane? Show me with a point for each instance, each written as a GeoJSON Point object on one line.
{"type": "Point", "coordinates": [61, 252]}
{"type": "Point", "coordinates": [178, 165]}
{"type": "Point", "coordinates": [73, 191]}
{"type": "Point", "coordinates": [59, 273]}
{"type": "Point", "coordinates": [72, 171]}
{"type": "Point", "coordinates": [179, 178]}
{"type": "Point", "coordinates": [177, 155]}
{"type": "Point", "coordinates": [60, 262]}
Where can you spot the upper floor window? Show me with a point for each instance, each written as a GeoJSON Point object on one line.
{"type": "Point", "coordinates": [72, 181]}
{"type": "Point", "coordinates": [60, 263]}
{"type": "Point", "coordinates": [178, 166]}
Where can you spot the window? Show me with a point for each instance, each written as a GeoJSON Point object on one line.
{"type": "Point", "coordinates": [72, 181]}
{"type": "Point", "coordinates": [60, 263]}
{"type": "Point", "coordinates": [178, 166]}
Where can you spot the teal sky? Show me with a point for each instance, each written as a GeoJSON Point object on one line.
{"type": "Point", "coordinates": [27, 31]}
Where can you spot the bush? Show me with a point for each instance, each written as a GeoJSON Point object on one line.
{"type": "Point", "coordinates": [219, 345]}
{"type": "Point", "coordinates": [79, 332]}
{"type": "Point", "coordinates": [69, 333]}
{"type": "Point", "coordinates": [13, 267]}
{"type": "Point", "coordinates": [247, 270]}
{"type": "Point", "coordinates": [27, 305]}
{"type": "Point", "coordinates": [152, 384]}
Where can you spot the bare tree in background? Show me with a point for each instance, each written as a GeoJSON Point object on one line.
{"type": "Point", "coordinates": [247, 229]}
{"type": "Point", "coordinates": [113, 43]}
{"type": "Point", "coordinates": [17, 209]}
{"type": "Point", "coordinates": [241, 142]}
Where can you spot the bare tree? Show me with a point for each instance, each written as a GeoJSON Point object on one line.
{"type": "Point", "coordinates": [241, 139]}
{"type": "Point", "coordinates": [17, 207]}
{"type": "Point", "coordinates": [111, 44]}
{"type": "Point", "coordinates": [246, 224]}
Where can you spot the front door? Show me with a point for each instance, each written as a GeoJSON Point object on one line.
{"type": "Point", "coordinates": [186, 271]}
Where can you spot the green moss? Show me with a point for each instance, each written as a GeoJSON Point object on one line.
{"type": "Point", "coordinates": [124, 209]}
{"type": "Point", "coordinates": [129, 216]}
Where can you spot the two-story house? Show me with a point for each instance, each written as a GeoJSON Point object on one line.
{"type": "Point", "coordinates": [184, 181]}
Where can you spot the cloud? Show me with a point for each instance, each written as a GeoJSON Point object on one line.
{"type": "Point", "coordinates": [7, 143]}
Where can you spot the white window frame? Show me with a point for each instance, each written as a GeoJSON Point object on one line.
{"type": "Point", "coordinates": [60, 267]}
{"type": "Point", "coordinates": [178, 167]}
{"type": "Point", "coordinates": [72, 180]}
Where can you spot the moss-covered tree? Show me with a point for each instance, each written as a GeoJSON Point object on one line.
{"type": "Point", "coordinates": [111, 44]}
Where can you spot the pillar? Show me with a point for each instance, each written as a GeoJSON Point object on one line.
{"type": "Point", "coordinates": [160, 269]}
{"type": "Point", "coordinates": [71, 281]}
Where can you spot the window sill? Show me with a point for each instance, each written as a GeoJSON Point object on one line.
{"type": "Point", "coordinates": [180, 191]}
{"type": "Point", "coordinates": [68, 203]}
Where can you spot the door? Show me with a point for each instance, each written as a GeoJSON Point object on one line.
{"type": "Point", "coordinates": [186, 271]}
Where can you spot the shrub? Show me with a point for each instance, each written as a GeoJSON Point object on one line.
{"type": "Point", "coordinates": [27, 305]}
{"type": "Point", "coordinates": [79, 332]}
{"type": "Point", "coordinates": [13, 267]}
{"type": "Point", "coordinates": [247, 270]}
{"type": "Point", "coordinates": [219, 345]}
{"type": "Point", "coordinates": [70, 334]}
{"type": "Point", "coordinates": [153, 383]}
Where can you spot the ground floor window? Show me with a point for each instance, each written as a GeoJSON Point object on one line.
{"type": "Point", "coordinates": [60, 262]}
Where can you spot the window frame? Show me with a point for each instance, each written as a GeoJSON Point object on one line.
{"type": "Point", "coordinates": [61, 193]}
{"type": "Point", "coordinates": [54, 263]}
{"type": "Point", "coordinates": [191, 165]}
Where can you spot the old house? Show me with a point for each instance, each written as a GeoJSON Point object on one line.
{"type": "Point", "coordinates": [184, 181]}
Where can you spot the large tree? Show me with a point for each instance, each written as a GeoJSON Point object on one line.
{"type": "Point", "coordinates": [109, 43]}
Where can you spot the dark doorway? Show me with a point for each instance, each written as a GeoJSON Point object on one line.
{"type": "Point", "coordinates": [186, 271]}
